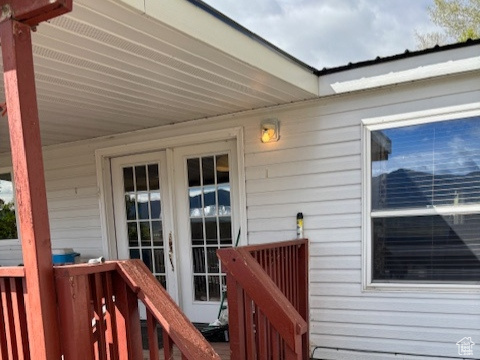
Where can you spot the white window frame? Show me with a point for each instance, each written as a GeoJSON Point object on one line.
{"type": "Point", "coordinates": [11, 242]}
{"type": "Point", "coordinates": [397, 121]}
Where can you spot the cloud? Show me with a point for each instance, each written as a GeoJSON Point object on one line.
{"type": "Point", "coordinates": [331, 33]}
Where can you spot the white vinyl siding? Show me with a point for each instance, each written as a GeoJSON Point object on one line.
{"type": "Point", "coordinates": [316, 169]}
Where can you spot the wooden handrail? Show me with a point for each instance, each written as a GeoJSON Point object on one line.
{"type": "Point", "coordinates": [264, 292]}
{"type": "Point", "coordinates": [12, 271]}
{"type": "Point", "coordinates": [275, 245]}
{"type": "Point", "coordinates": [189, 340]}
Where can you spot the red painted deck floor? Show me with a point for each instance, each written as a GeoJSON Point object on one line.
{"type": "Point", "coordinates": [222, 349]}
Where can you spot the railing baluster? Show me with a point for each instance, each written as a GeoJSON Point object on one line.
{"type": "Point", "coordinates": [250, 324]}
{"type": "Point", "coordinates": [152, 336]}
{"type": "Point", "coordinates": [167, 346]}
{"type": "Point", "coordinates": [3, 330]}
{"type": "Point", "coordinates": [97, 296]}
{"type": "Point", "coordinates": [128, 321]}
{"type": "Point", "coordinates": [111, 323]}
{"type": "Point", "coordinates": [262, 336]}
{"type": "Point", "coordinates": [236, 319]}
{"type": "Point", "coordinates": [19, 317]}
{"type": "Point", "coordinates": [8, 318]}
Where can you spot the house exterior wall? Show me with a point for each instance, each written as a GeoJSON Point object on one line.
{"type": "Point", "coordinates": [315, 168]}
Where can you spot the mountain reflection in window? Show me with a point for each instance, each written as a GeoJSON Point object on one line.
{"type": "Point", "coordinates": [428, 166]}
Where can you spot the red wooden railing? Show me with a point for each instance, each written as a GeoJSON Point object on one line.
{"type": "Point", "coordinates": [99, 316]}
{"type": "Point", "coordinates": [13, 321]}
{"type": "Point", "coordinates": [268, 300]}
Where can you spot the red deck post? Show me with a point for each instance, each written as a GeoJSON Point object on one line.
{"type": "Point", "coordinates": [30, 188]}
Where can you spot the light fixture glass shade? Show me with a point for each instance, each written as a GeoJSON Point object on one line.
{"type": "Point", "coordinates": [269, 130]}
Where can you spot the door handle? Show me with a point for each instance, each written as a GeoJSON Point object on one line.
{"type": "Point", "coordinates": [170, 250]}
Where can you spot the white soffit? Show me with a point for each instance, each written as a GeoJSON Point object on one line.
{"type": "Point", "coordinates": [108, 68]}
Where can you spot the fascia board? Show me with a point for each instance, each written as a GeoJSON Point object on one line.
{"type": "Point", "coordinates": [400, 71]}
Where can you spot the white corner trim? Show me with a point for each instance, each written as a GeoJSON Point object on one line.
{"type": "Point", "coordinates": [406, 119]}
{"type": "Point", "coordinates": [415, 74]}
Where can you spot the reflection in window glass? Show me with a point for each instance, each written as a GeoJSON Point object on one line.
{"type": "Point", "coordinates": [142, 203]}
{"type": "Point", "coordinates": [426, 168]}
{"type": "Point", "coordinates": [130, 206]}
{"type": "Point", "coordinates": [155, 205]}
{"type": "Point", "coordinates": [426, 165]}
{"type": "Point", "coordinates": [195, 196]}
{"type": "Point", "coordinates": [210, 200]}
{"type": "Point", "coordinates": [8, 221]}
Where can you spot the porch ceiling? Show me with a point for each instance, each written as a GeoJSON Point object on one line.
{"type": "Point", "coordinates": [107, 68]}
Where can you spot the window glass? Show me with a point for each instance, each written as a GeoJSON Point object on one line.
{"type": "Point", "coordinates": [424, 180]}
{"type": "Point", "coordinates": [426, 165]}
{"type": "Point", "coordinates": [8, 221]}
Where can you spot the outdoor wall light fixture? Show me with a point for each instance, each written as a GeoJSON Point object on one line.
{"type": "Point", "coordinates": [270, 130]}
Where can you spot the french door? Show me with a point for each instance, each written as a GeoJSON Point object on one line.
{"type": "Point", "coordinates": [174, 209]}
{"type": "Point", "coordinates": [143, 218]}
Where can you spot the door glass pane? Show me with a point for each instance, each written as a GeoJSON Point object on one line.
{"type": "Point", "coordinates": [211, 231]}
{"type": "Point", "coordinates": [157, 235]}
{"type": "Point", "coordinates": [208, 170]}
{"type": "Point", "coordinates": [155, 205]}
{"type": "Point", "coordinates": [141, 178]}
{"type": "Point", "coordinates": [212, 261]}
{"type": "Point", "coordinates": [223, 169]}
{"type": "Point", "coordinates": [147, 258]}
{"type": "Point", "coordinates": [214, 288]}
{"type": "Point", "coordinates": [130, 206]}
{"type": "Point", "coordinates": [132, 234]}
{"type": "Point", "coordinates": [225, 225]}
{"type": "Point", "coordinates": [159, 260]}
{"type": "Point", "coordinates": [196, 229]}
{"type": "Point", "coordinates": [209, 200]}
{"type": "Point", "coordinates": [210, 221]}
{"type": "Point", "coordinates": [142, 203]}
{"type": "Point", "coordinates": [128, 179]}
{"type": "Point", "coordinates": [198, 260]}
{"type": "Point", "coordinates": [145, 233]}
{"type": "Point", "coordinates": [195, 196]}
{"type": "Point", "coordinates": [224, 207]}
{"type": "Point", "coordinates": [153, 179]}
{"type": "Point", "coordinates": [144, 217]}
{"type": "Point", "coordinates": [193, 166]}
{"type": "Point", "coordinates": [200, 286]}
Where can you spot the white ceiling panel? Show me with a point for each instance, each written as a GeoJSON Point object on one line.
{"type": "Point", "coordinates": [107, 68]}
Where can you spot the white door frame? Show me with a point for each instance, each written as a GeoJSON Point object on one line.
{"type": "Point", "coordinates": [104, 178]}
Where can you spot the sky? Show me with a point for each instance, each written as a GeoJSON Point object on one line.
{"type": "Point", "coordinates": [330, 33]}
